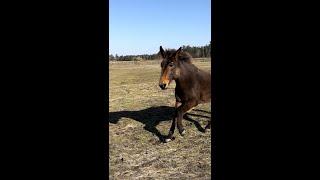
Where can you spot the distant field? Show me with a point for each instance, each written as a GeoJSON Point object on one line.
{"type": "Point", "coordinates": [139, 112]}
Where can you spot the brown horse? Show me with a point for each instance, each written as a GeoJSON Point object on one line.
{"type": "Point", "coordinates": [193, 86]}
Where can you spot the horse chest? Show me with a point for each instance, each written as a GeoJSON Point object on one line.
{"type": "Point", "coordinates": [180, 94]}
{"type": "Point", "coordinates": [183, 96]}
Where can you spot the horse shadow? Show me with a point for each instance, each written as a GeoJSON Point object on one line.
{"type": "Point", "coordinates": [151, 117]}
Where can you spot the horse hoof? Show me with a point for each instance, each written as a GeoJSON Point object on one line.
{"type": "Point", "coordinates": [168, 139]}
{"type": "Point", "coordinates": [183, 132]}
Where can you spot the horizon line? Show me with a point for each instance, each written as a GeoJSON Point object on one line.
{"type": "Point", "coordinates": [154, 53]}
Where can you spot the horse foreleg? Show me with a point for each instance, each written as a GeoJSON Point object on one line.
{"type": "Point", "coordinates": [181, 111]}
{"type": "Point", "coordinates": [173, 126]}
{"type": "Point", "coordinates": [177, 104]}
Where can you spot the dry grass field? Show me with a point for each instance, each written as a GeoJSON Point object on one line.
{"type": "Point", "coordinates": [140, 113]}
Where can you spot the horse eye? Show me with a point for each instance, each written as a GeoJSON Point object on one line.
{"type": "Point", "coordinates": [171, 64]}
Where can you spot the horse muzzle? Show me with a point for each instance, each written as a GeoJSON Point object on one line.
{"type": "Point", "coordinates": [163, 86]}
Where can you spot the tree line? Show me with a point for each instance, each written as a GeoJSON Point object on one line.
{"type": "Point", "coordinates": [195, 51]}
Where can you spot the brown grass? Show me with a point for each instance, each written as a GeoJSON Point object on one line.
{"type": "Point", "coordinates": [137, 109]}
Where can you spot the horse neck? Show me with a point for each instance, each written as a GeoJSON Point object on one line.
{"type": "Point", "coordinates": [186, 72]}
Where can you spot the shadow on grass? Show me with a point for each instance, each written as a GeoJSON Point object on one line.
{"type": "Point", "coordinates": [199, 110]}
{"type": "Point", "coordinates": [151, 117]}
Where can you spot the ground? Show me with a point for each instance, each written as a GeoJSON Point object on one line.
{"type": "Point", "coordinates": [140, 113]}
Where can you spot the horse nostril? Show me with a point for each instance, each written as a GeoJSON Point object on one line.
{"type": "Point", "coordinates": [162, 86]}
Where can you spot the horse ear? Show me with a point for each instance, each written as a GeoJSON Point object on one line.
{"type": "Point", "coordinates": [161, 52]}
{"type": "Point", "coordinates": [178, 52]}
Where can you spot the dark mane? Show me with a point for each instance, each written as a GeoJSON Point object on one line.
{"type": "Point", "coordinates": [183, 56]}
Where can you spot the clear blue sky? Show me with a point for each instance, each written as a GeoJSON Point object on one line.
{"type": "Point", "coordinates": [141, 26]}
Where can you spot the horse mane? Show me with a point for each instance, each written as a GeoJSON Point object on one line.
{"type": "Point", "coordinates": [183, 55]}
